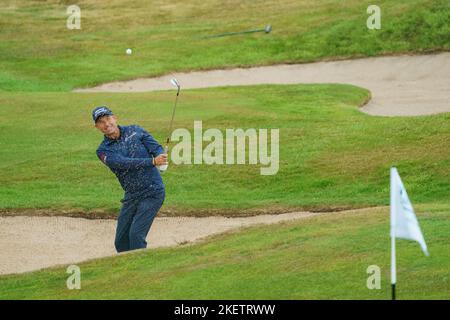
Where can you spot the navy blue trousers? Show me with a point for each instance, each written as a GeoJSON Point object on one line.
{"type": "Point", "coordinates": [135, 219]}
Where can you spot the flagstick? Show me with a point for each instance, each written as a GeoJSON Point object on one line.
{"type": "Point", "coordinates": [404, 224]}
{"type": "Point", "coordinates": [393, 291]}
{"type": "Point", "coordinates": [393, 268]}
{"type": "Point", "coordinates": [393, 265]}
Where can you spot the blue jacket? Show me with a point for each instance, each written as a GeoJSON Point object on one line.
{"type": "Point", "coordinates": [130, 159]}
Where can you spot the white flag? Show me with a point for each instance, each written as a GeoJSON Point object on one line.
{"type": "Point", "coordinates": [403, 220]}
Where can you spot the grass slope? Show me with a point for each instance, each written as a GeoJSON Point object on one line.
{"type": "Point", "coordinates": [331, 154]}
{"type": "Point", "coordinates": [38, 52]}
{"type": "Point", "coordinates": [324, 257]}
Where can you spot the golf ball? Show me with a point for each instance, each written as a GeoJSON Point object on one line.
{"type": "Point", "coordinates": [129, 51]}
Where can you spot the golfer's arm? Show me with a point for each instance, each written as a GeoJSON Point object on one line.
{"type": "Point", "coordinates": [152, 146]}
{"type": "Point", "coordinates": [115, 161]}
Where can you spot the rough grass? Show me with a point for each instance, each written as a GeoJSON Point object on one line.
{"type": "Point", "coordinates": [38, 52]}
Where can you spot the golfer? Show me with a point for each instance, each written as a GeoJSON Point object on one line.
{"type": "Point", "coordinates": [133, 155]}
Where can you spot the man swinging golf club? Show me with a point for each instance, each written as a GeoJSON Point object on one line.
{"type": "Point", "coordinates": [133, 155]}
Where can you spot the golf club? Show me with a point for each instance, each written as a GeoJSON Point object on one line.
{"type": "Point", "coordinates": [266, 29]}
{"type": "Point", "coordinates": [175, 83]}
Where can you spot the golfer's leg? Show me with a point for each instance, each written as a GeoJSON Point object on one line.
{"type": "Point", "coordinates": [145, 214]}
{"type": "Point", "coordinates": [122, 241]}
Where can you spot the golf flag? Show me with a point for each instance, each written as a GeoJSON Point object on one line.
{"type": "Point", "coordinates": [404, 223]}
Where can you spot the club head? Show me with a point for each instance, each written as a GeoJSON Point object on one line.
{"type": "Point", "coordinates": [175, 82]}
{"type": "Point", "coordinates": [268, 28]}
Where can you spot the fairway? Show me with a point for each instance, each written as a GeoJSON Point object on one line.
{"type": "Point", "coordinates": [342, 101]}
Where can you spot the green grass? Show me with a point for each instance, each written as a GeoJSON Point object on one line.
{"type": "Point", "coordinates": [324, 257]}
{"type": "Point", "coordinates": [38, 52]}
{"type": "Point", "coordinates": [331, 154]}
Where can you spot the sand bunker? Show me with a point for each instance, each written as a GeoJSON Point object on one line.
{"type": "Point", "coordinates": [400, 85]}
{"type": "Point", "coordinates": [32, 242]}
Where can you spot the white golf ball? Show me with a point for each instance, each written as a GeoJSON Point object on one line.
{"type": "Point", "coordinates": [129, 51]}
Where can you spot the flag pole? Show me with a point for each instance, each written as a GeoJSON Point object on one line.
{"type": "Point", "coordinates": [393, 268]}
{"type": "Point", "coordinates": [393, 265]}
{"type": "Point", "coordinates": [404, 224]}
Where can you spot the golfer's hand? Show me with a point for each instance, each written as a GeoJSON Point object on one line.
{"type": "Point", "coordinates": [160, 160]}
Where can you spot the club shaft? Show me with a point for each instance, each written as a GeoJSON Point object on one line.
{"type": "Point", "coordinates": [173, 115]}
{"type": "Point", "coordinates": [233, 33]}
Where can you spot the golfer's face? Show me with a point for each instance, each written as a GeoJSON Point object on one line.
{"type": "Point", "coordinates": [107, 124]}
